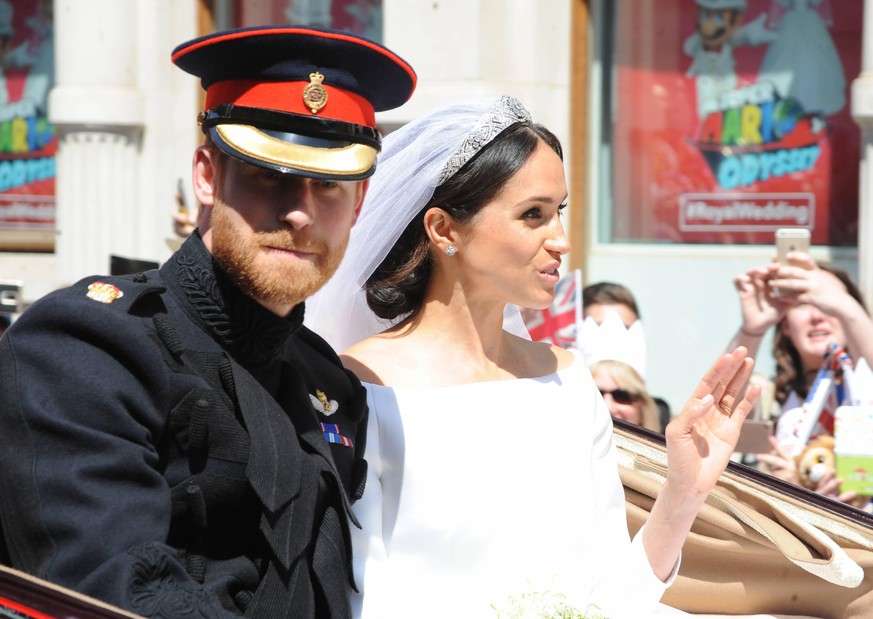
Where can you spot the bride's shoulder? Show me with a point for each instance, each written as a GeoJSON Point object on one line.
{"type": "Point", "coordinates": [566, 356]}
{"type": "Point", "coordinates": [359, 360]}
{"type": "Point", "coordinates": [543, 354]}
{"type": "Point", "coordinates": [376, 360]}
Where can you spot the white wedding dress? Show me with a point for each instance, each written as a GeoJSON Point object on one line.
{"type": "Point", "coordinates": [480, 492]}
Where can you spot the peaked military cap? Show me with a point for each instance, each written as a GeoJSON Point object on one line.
{"type": "Point", "coordinates": [297, 99]}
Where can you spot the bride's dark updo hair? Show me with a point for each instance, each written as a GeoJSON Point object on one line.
{"type": "Point", "coordinates": [397, 286]}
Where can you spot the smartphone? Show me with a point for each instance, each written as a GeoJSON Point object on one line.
{"type": "Point", "coordinates": [791, 239]}
{"type": "Point", "coordinates": [754, 437]}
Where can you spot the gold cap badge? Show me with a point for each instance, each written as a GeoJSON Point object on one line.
{"type": "Point", "coordinates": [314, 95]}
{"type": "Point", "coordinates": [104, 293]}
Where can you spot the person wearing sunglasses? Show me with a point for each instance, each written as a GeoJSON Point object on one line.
{"type": "Point", "coordinates": [625, 394]}
{"type": "Point", "coordinates": [614, 346]}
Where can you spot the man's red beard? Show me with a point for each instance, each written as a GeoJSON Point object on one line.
{"type": "Point", "coordinates": [272, 280]}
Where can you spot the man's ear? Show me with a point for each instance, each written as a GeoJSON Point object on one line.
{"type": "Point", "coordinates": [204, 177]}
{"type": "Point", "coordinates": [362, 193]}
{"type": "Point", "coordinates": [440, 228]}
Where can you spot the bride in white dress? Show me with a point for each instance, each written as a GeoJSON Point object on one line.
{"type": "Point", "coordinates": [492, 469]}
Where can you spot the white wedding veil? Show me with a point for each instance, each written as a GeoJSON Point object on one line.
{"type": "Point", "coordinates": [414, 160]}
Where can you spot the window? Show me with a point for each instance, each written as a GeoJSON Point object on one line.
{"type": "Point", "coordinates": [28, 141]}
{"type": "Point", "coordinates": [719, 125]}
{"type": "Point", "coordinates": [363, 17]}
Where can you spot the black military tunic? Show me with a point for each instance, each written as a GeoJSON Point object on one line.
{"type": "Point", "coordinates": [172, 447]}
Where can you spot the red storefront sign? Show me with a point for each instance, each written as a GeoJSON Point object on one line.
{"type": "Point", "coordinates": [28, 142]}
{"type": "Point", "coordinates": [732, 119]}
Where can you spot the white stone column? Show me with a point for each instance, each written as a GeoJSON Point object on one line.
{"type": "Point", "coordinates": [98, 111]}
{"type": "Point", "coordinates": [862, 112]}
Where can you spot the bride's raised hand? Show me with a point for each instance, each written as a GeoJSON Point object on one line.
{"type": "Point", "coordinates": [701, 439]}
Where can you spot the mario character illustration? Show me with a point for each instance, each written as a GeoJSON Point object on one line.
{"type": "Point", "coordinates": [719, 29]}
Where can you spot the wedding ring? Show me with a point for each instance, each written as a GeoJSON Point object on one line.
{"type": "Point", "coordinates": [775, 291]}
{"type": "Point", "coordinates": [725, 409]}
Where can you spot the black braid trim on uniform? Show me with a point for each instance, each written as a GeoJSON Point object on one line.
{"type": "Point", "coordinates": [250, 332]}
{"type": "Point", "coordinates": [165, 330]}
{"type": "Point", "coordinates": [158, 593]}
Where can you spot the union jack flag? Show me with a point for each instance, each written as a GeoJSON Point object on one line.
{"type": "Point", "coordinates": [558, 323]}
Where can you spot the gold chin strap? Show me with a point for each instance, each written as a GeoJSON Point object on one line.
{"type": "Point", "coordinates": [352, 160]}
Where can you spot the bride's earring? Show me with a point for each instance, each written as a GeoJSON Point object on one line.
{"type": "Point", "coordinates": [451, 250]}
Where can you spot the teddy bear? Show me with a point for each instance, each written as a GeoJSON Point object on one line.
{"type": "Point", "coordinates": [815, 460]}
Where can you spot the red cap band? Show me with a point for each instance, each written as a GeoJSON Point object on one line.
{"type": "Point", "coordinates": [288, 97]}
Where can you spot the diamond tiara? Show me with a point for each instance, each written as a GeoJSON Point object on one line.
{"type": "Point", "coordinates": [505, 112]}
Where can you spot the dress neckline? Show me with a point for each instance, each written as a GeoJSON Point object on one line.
{"type": "Point", "coordinates": [578, 358]}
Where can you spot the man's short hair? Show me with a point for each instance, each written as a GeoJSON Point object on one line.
{"type": "Point", "coordinates": [609, 293]}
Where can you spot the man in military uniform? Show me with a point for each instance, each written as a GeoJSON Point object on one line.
{"type": "Point", "coordinates": [176, 442]}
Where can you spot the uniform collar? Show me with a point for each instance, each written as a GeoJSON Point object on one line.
{"type": "Point", "coordinates": [246, 329]}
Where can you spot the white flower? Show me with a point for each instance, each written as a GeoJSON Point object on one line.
{"type": "Point", "coordinates": [545, 605]}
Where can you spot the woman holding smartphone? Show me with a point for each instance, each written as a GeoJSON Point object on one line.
{"type": "Point", "coordinates": [811, 305]}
